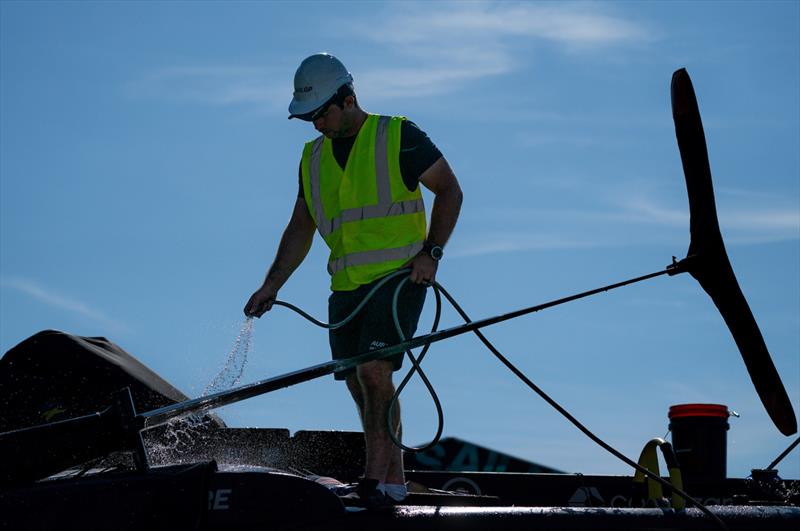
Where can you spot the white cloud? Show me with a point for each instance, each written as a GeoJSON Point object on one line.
{"type": "Point", "coordinates": [59, 301]}
{"type": "Point", "coordinates": [508, 243]}
{"type": "Point", "coordinates": [770, 222]}
{"type": "Point", "coordinates": [433, 48]}
{"type": "Point", "coordinates": [570, 24]}
{"type": "Point", "coordinates": [214, 85]}
{"type": "Point", "coordinates": [647, 211]}
{"type": "Point", "coordinates": [787, 221]}
{"type": "Point", "coordinates": [623, 222]}
{"type": "Point", "coordinates": [446, 45]}
{"type": "Point", "coordinates": [387, 83]}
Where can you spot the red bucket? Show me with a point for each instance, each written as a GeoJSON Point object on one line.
{"type": "Point", "coordinates": [699, 438]}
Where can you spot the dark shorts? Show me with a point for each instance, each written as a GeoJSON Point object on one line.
{"type": "Point", "coordinates": [373, 327]}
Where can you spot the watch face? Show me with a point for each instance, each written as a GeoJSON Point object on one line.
{"type": "Point", "coordinates": [436, 252]}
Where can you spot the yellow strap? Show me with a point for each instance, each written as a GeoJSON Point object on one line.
{"type": "Point", "coordinates": [649, 460]}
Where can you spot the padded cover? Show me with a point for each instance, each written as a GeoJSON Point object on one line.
{"type": "Point", "coordinates": [55, 376]}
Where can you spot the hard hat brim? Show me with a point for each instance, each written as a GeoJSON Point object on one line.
{"type": "Point", "coordinates": [302, 108]}
{"type": "Point", "coordinates": [306, 116]}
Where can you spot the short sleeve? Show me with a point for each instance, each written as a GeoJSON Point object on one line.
{"type": "Point", "coordinates": [417, 153]}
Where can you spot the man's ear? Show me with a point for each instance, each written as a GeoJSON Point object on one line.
{"type": "Point", "coordinates": [349, 101]}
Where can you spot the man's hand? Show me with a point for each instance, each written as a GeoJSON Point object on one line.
{"type": "Point", "coordinates": [423, 269]}
{"type": "Point", "coordinates": [261, 301]}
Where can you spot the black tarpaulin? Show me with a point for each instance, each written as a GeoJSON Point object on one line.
{"type": "Point", "coordinates": [54, 376]}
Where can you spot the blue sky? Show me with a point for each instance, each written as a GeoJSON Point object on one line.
{"type": "Point", "coordinates": [147, 170]}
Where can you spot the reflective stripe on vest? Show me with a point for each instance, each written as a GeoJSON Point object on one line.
{"type": "Point", "coordinates": [372, 257]}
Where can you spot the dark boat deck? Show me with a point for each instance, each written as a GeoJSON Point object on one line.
{"type": "Point", "coordinates": [199, 497]}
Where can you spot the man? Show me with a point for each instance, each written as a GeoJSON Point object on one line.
{"type": "Point", "coordinates": [359, 189]}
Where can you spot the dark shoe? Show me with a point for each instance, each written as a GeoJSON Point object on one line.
{"type": "Point", "coordinates": [367, 495]}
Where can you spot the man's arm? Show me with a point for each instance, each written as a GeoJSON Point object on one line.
{"type": "Point", "coordinates": [440, 180]}
{"type": "Point", "coordinates": [293, 248]}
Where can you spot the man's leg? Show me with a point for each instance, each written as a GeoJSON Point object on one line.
{"type": "Point", "coordinates": [396, 475]}
{"type": "Point", "coordinates": [354, 386]}
{"type": "Point", "coordinates": [375, 378]}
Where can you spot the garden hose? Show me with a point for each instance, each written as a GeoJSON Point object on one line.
{"type": "Point", "coordinates": [415, 362]}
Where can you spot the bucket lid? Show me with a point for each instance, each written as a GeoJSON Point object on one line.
{"type": "Point", "coordinates": [698, 410]}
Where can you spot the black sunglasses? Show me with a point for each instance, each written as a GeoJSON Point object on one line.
{"type": "Point", "coordinates": [336, 99]}
{"type": "Point", "coordinates": [322, 111]}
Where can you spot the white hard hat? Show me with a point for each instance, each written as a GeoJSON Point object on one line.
{"type": "Point", "coordinates": [316, 81]}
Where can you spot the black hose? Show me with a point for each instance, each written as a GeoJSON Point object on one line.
{"type": "Point", "coordinates": [415, 362]}
{"type": "Point", "coordinates": [415, 367]}
{"type": "Point", "coordinates": [619, 455]}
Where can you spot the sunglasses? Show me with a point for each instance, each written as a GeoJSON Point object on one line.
{"type": "Point", "coordinates": [322, 111]}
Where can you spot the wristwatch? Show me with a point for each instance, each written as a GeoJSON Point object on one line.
{"type": "Point", "coordinates": [434, 251]}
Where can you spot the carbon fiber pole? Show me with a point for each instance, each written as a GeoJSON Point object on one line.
{"type": "Point", "coordinates": [223, 398]}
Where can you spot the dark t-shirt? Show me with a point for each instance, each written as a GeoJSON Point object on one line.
{"type": "Point", "coordinates": [417, 154]}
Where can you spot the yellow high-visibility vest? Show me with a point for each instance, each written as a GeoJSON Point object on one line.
{"type": "Point", "coordinates": [371, 222]}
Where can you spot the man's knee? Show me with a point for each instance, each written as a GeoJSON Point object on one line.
{"type": "Point", "coordinates": [375, 376]}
